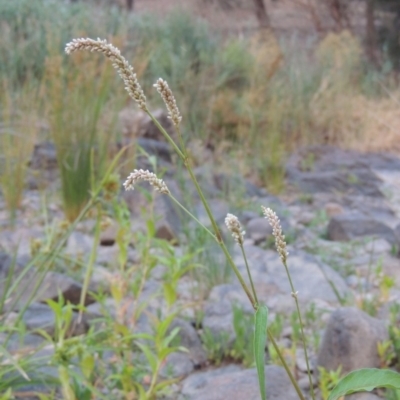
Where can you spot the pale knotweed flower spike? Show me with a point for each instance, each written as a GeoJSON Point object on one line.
{"type": "Point", "coordinates": [277, 232]}
{"type": "Point", "coordinates": [122, 66]}
{"type": "Point", "coordinates": [169, 100]}
{"type": "Point", "coordinates": [139, 175]}
{"type": "Point", "coordinates": [233, 225]}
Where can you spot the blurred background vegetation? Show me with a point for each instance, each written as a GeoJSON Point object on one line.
{"type": "Point", "coordinates": [254, 80]}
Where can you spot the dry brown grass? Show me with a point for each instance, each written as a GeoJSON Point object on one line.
{"type": "Point", "coordinates": [380, 122]}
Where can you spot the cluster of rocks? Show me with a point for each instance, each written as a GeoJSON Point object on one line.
{"type": "Point", "coordinates": [341, 217]}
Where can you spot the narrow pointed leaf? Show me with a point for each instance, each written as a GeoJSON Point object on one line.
{"type": "Point", "coordinates": [260, 339]}
{"type": "Point", "coordinates": [365, 380]}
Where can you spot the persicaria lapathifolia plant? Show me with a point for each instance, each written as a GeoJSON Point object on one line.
{"type": "Point", "coordinates": [132, 86]}
{"type": "Point", "coordinates": [135, 91]}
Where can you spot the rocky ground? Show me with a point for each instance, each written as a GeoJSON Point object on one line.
{"type": "Point", "coordinates": [341, 217]}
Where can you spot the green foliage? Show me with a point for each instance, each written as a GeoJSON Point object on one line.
{"type": "Point", "coordinates": [394, 332]}
{"type": "Point", "coordinates": [328, 380]}
{"type": "Point", "coordinates": [216, 346]}
{"type": "Point", "coordinates": [243, 345]}
{"type": "Point", "coordinates": [392, 395]}
{"type": "Point", "coordinates": [260, 341]}
{"type": "Point", "coordinates": [219, 347]}
{"type": "Point", "coordinates": [365, 380]}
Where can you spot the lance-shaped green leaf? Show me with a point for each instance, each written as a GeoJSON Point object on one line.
{"type": "Point", "coordinates": [260, 339]}
{"type": "Point", "coordinates": [365, 380]}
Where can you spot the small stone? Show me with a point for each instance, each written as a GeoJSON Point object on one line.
{"type": "Point", "coordinates": [350, 340]}
{"type": "Point", "coordinates": [108, 235]}
{"type": "Point", "coordinates": [332, 209]}
{"type": "Point", "coordinates": [258, 229]}
{"type": "Point", "coordinates": [177, 365]}
{"type": "Point", "coordinates": [351, 225]}
{"type": "Point", "coordinates": [236, 384]}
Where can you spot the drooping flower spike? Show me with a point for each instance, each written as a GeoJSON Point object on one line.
{"type": "Point", "coordinates": [124, 69]}
{"type": "Point", "coordinates": [139, 175]}
{"type": "Point", "coordinates": [173, 112]}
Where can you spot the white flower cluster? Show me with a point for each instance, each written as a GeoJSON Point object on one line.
{"type": "Point", "coordinates": [233, 225]}
{"type": "Point", "coordinates": [280, 242]}
{"type": "Point", "coordinates": [122, 66]}
{"type": "Point", "coordinates": [139, 175]}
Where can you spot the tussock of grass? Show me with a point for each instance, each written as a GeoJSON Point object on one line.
{"type": "Point", "coordinates": [79, 124]}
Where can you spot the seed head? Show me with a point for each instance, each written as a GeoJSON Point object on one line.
{"type": "Point", "coordinates": [277, 232]}
{"type": "Point", "coordinates": [124, 69]}
{"type": "Point", "coordinates": [233, 225]}
{"type": "Point", "coordinates": [169, 100]}
{"type": "Point", "coordinates": [139, 175]}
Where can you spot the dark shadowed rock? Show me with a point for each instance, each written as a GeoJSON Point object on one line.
{"type": "Point", "coordinates": [350, 340]}
{"type": "Point", "coordinates": [230, 383]}
{"type": "Point", "coordinates": [329, 169]}
{"type": "Point", "coordinates": [352, 225]}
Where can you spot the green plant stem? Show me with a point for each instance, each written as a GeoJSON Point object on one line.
{"type": "Point", "coordinates": [178, 130]}
{"type": "Point", "coordinates": [214, 224]}
{"type": "Point", "coordinates": [65, 384]}
{"type": "Point", "coordinates": [294, 295]}
{"type": "Point", "coordinates": [287, 369]}
{"type": "Point", "coordinates": [89, 269]}
{"type": "Point", "coordinates": [154, 380]}
{"type": "Point", "coordinates": [249, 274]}
{"type": "Point", "coordinates": [166, 135]}
{"type": "Point", "coordinates": [192, 216]}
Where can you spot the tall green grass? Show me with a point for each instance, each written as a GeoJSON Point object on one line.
{"type": "Point", "coordinates": [82, 110]}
